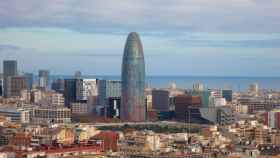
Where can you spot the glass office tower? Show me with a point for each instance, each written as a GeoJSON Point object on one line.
{"type": "Point", "coordinates": [133, 80]}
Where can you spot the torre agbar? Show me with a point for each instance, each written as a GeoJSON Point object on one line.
{"type": "Point", "coordinates": [133, 80]}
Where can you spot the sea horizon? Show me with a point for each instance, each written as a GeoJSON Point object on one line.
{"type": "Point", "coordinates": [236, 83]}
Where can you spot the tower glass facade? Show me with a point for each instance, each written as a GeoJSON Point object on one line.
{"type": "Point", "coordinates": [9, 70]}
{"type": "Point", "coordinates": [133, 80]}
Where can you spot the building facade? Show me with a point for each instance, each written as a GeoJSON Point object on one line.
{"type": "Point", "coordinates": [44, 78]}
{"type": "Point", "coordinates": [227, 94]}
{"type": "Point", "coordinates": [160, 100]}
{"type": "Point", "coordinates": [9, 70]}
{"type": "Point", "coordinates": [107, 89]}
{"type": "Point", "coordinates": [113, 108]}
{"type": "Point", "coordinates": [58, 85]}
{"type": "Point", "coordinates": [133, 80]}
{"type": "Point", "coordinates": [15, 84]}
{"type": "Point", "coordinates": [29, 80]}
{"type": "Point", "coordinates": [51, 115]}
{"type": "Point", "coordinates": [86, 88]}
{"type": "Point", "coordinates": [70, 88]}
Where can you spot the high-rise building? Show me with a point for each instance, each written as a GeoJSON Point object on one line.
{"type": "Point", "coordinates": [107, 89]}
{"type": "Point", "coordinates": [44, 78]}
{"type": "Point", "coordinates": [86, 88]}
{"type": "Point", "coordinates": [205, 96]}
{"type": "Point", "coordinates": [227, 94]}
{"type": "Point", "coordinates": [58, 85]}
{"type": "Point", "coordinates": [78, 75]}
{"type": "Point", "coordinates": [133, 80]}
{"type": "Point", "coordinates": [29, 80]}
{"type": "Point", "coordinates": [160, 100]}
{"type": "Point", "coordinates": [9, 69]}
{"type": "Point", "coordinates": [113, 108]}
{"type": "Point", "coordinates": [1, 86]}
{"type": "Point", "coordinates": [70, 88]}
{"type": "Point", "coordinates": [187, 108]}
{"type": "Point", "coordinates": [15, 84]}
{"type": "Point", "coordinates": [198, 87]}
{"type": "Point", "coordinates": [272, 118]}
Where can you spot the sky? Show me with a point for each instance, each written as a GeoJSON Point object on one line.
{"type": "Point", "coordinates": [180, 37]}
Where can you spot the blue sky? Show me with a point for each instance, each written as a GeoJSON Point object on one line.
{"type": "Point", "coordinates": [180, 37]}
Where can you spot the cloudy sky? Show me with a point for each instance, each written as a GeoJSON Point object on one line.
{"type": "Point", "coordinates": [180, 37]}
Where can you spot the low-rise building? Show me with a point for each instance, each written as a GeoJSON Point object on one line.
{"type": "Point", "coordinates": [51, 115]}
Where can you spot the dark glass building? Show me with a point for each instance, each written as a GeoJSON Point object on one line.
{"type": "Point", "coordinates": [1, 87]}
{"type": "Point", "coordinates": [70, 91]}
{"type": "Point", "coordinates": [9, 70]}
{"type": "Point", "coordinates": [160, 100]}
{"type": "Point", "coordinates": [113, 107]}
{"type": "Point", "coordinates": [227, 94]}
{"type": "Point", "coordinates": [133, 80]}
{"type": "Point", "coordinates": [29, 80]}
{"type": "Point", "coordinates": [58, 85]}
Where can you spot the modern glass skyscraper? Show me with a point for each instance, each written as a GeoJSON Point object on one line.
{"type": "Point", "coordinates": [133, 80]}
{"type": "Point", "coordinates": [9, 70]}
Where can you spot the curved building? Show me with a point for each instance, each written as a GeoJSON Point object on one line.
{"type": "Point", "coordinates": [133, 80]}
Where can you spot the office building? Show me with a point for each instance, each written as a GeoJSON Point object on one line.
{"type": "Point", "coordinates": [15, 84]}
{"type": "Point", "coordinates": [222, 115]}
{"type": "Point", "coordinates": [86, 88]}
{"type": "Point", "coordinates": [70, 88]}
{"type": "Point", "coordinates": [80, 108]}
{"type": "Point", "coordinates": [44, 78]}
{"type": "Point", "coordinates": [9, 69]}
{"type": "Point", "coordinates": [160, 100]}
{"type": "Point", "coordinates": [182, 104]}
{"type": "Point", "coordinates": [133, 80]}
{"type": "Point", "coordinates": [58, 85]}
{"type": "Point", "coordinates": [187, 109]}
{"type": "Point", "coordinates": [113, 108]}
{"type": "Point", "coordinates": [1, 87]}
{"type": "Point", "coordinates": [51, 115]}
{"type": "Point", "coordinates": [29, 80]}
{"type": "Point", "coordinates": [227, 94]}
{"type": "Point", "coordinates": [204, 95]}
{"type": "Point", "coordinates": [107, 89]}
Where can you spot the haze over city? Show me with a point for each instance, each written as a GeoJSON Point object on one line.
{"type": "Point", "coordinates": [194, 37]}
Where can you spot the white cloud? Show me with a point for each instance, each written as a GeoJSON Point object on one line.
{"type": "Point", "coordinates": [151, 15]}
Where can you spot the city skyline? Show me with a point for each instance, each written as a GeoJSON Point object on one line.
{"type": "Point", "coordinates": [196, 38]}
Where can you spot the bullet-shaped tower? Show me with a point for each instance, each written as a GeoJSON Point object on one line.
{"type": "Point", "coordinates": [133, 80]}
